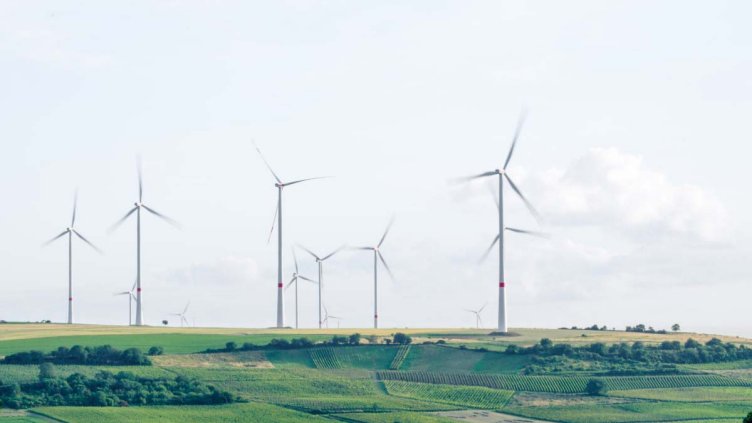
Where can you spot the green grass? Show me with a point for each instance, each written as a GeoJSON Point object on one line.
{"type": "Point", "coordinates": [703, 394]}
{"type": "Point", "coordinates": [560, 384]}
{"type": "Point", "coordinates": [377, 357]}
{"type": "Point", "coordinates": [446, 359]}
{"type": "Point", "coordinates": [466, 396]}
{"type": "Point", "coordinates": [251, 412]}
{"type": "Point", "coordinates": [633, 412]}
{"type": "Point", "coordinates": [353, 403]}
{"type": "Point", "coordinates": [173, 343]}
{"type": "Point", "coordinates": [391, 417]}
{"type": "Point", "coordinates": [290, 359]}
{"type": "Point", "coordinates": [399, 358]}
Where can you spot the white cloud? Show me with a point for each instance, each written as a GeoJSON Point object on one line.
{"type": "Point", "coordinates": [230, 270]}
{"type": "Point", "coordinates": [613, 189]}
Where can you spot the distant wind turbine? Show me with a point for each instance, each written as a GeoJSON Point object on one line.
{"type": "Point", "coordinates": [137, 206]}
{"type": "Point", "coordinates": [376, 257]}
{"type": "Point", "coordinates": [328, 316]}
{"type": "Point", "coordinates": [131, 297]}
{"type": "Point", "coordinates": [320, 262]}
{"type": "Point", "coordinates": [278, 220]}
{"type": "Point", "coordinates": [502, 175]}
{"type": "Point", "coordinates": [183, 320]}
{"type": "Point", "coordinates": [295, 277]}
{"type": "Point", "coordinates": [70, 231]}
{"type": "Point", "coordinates": [478, 321]}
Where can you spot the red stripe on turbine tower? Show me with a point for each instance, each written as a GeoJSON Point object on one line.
{"type": "Point", "coordinates": [502, 285]}
{"type": "Point", "coordinates": [70, 298]}
{"type": "Point", "coordinates": [279, 285]}
{"type": "Point", "coordinates": [139, 289]}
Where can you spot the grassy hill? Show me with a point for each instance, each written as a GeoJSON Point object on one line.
{"type": "Point", "coordinates": [378, 383]}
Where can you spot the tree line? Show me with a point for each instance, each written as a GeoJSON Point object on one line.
{"type": "Point", "coordinates": [106, 389]}
{"type": "Point", "coordinates": [101, 355]}
{"type": "Point", "coordinates": [398, 338]}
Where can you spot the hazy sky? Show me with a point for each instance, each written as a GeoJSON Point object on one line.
{"type": "Point", "coordinates": [636, 152]}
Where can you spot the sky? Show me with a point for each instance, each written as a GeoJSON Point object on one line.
{"type": "Point", "coordinates": [635, 151]}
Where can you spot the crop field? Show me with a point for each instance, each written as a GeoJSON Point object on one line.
{"type": "Point", "coordinates": [469, 396]}
{"type": "Point", "coordinates": [394, 416]}
{"type": "Point", "coordinates": [325, 358]}
{"type": "Point", "coordinates": [442, 358]}
{"type": "Point", "coordinates": [182, 414]}
{"type": "Point", "coordinates": [399, 358]}
{"type": "Point", "coordinates": [694, 394]}
{"type": "Point", "coordinates": [561, 384]}
{"type": "Point", "coordinates": [634, 412]}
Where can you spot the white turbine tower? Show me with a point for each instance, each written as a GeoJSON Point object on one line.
{"type": "Point", "coordinates": [278, 220]}
{"type": "Point", "coordinates": [137, 206]}
{"type": "Point", "coordinates": [503, 174]}
{"type": "Point", "coordinates": [320, 262]}
{"type": "Point", "coordinates": [183, 320]}
{"type": "Point", "coordinates": [131, 297]}
{"type": "Point", "coordinates": [295, 277]}
{"type": "Point", "coordinates": [70, 231]}
{"type": "Point", "coordinates": [376, 257]}
{"type": "Point", "coordinates": [478, 321]}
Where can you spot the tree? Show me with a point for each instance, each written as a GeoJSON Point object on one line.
{"type": "Point", "coordinates": [165, 322]}
{"type": "Point", "coordinates": [748, 419]}
{"type": "Point", "coordinates": [546, 343]}
{"type": "Point", "coordinates": [675, 327]}
{"type": "Point", "coordinates": [596, 387]}
{"type": "Point", "coordinates": [354, 339]}
{"type": "Point", "coordinates": [231, 346]}
{"type": "Point", "coordinates": [47, 371]}
{"type": "Point", "coordinates": [401, 338]}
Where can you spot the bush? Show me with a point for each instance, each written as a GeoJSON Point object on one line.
{"type": "Point", "coordinates": [748, 419]}
{"type": "Point", "coordinates": [102, 355]}
{"type": "Point", "coordinates": [354, 339]}
{"type": "Point", "coordinates": [231, 346]}
{"type": "Point", "coordinates": [155, 351]}
{"type": "Point", "coordinates": [596, 387]}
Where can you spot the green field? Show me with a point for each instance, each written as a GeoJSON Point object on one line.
{"type": "Point", "coordinates": [387, 383]}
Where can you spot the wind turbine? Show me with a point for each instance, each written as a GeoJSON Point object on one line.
{"type": "Point", "coordinates": [328, 316]}
{"type": "Point", "coordinates": [278, 220]}
{"type": "Point", "coordinates": [503, 174]}
{"type": "Point", "coordinates": [70, 231]}
{"type": "Point", "coordinates": [376, 257]}
{"type": "Point", "coordinates": [295, 276]}
{"type": "Point", "coordinates": [320, 262]}
{"type": "Point", "coordinates": [137, 206]}
{"type": "Point", "coordinates": [183, 320]}
{"type": "Point", "coordinates": [477, 312]}
{"type": "Point", "coordinates": [131, 297]}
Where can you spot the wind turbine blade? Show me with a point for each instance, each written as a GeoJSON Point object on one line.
{"type": "Point", "coordinates": [279, 181]}
{"type": "Point", "coordinates": [169, 220]}
{"type": "Point", "coordinates": [386, 232]}
{"type": "Point", "coordinates": [87, 241]}
{"type": "Point", "coordinates": [309, 252]}
{"type": "Point", "coordinates": [55, 238]}
{"type": "Point", "coordinates": [303, 180]}
{"type": "Point", "coordinates": [122, 219]}
{"type": "Point", "coordinates": [295, 260]}
{"type": "Point", "coordinates": [488, 250]}
{"type": "Point", "coordinates": [292, 281]}
{"type": "Point", "coordinates": [140, 181]}
{"type": "Point", "coordinates": [122, 293]}
{"type": "Point", "coordinates": [274, 222]}
{"type": "Point", "coordinates": [532, 233]}
{"type": "Point", "coordinates": [361, 248]}
{"type": "Point", "coordinates": [133, 288]}
{"type": "Point", "coordinates": [75, 206]}
{"type": "Point", "coordinates": [307, 279]}
{"type": "Point", "coordinates": [470, 178]}
{"type": "Point", "coordinates": [524, 200]}
{"type": "Point", "coordinates": [520, 122]}
{"type": "Point", "coordinates": [481, 309]}
{"type": "Point", "coordinates": [386, 266]}
{"type": "Point", "coordinates": [185, 310]}
{"type": "Point", "coordinates": [334, 252]}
